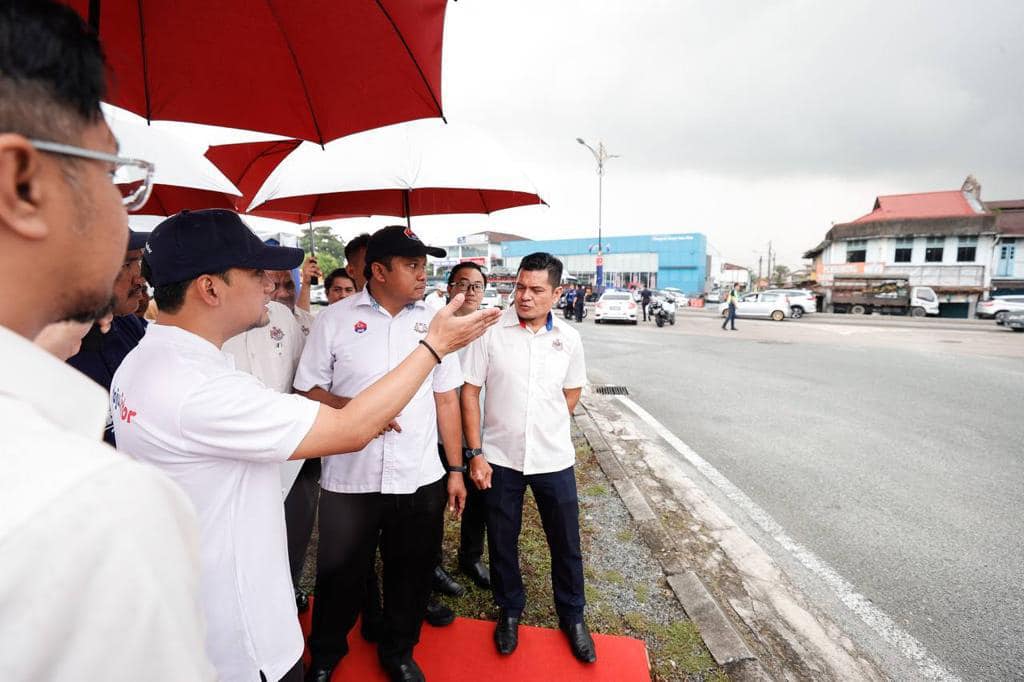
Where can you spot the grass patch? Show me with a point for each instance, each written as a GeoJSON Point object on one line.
{"type": "Point", "coordinates": [625, 535]}
{"type": "Point", "coordinates": [595, 490]}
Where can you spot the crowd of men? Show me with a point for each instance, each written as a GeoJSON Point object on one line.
{"type": "Point", "coordinates": [239, 417]}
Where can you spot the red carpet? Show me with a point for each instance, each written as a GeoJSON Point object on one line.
{"type": "Point", "coordinates": [465, 651]}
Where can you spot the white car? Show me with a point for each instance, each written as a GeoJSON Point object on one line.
{"type": "Point", "coordinates": [765, 304]}
{"type": "Point", "coordinates": [678, 297]}
{"type": "Point", "coordinates": [616, 305]}
{"type": "Point", "coordinates": [801, 301]}
{"type": "Point", "coordinates": [492, 299]}
{"type": "Point", "coordinates": [317, 294]}
{"type": "Point", "coordinates": [1000, 306]}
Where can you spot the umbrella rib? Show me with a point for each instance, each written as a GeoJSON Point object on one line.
{"type": "Point", "coordinates": [302, 80]}
{"type": "Point", "coordinates": [145, 62]}
{"type": "Point", "coordinates": [408, 51]}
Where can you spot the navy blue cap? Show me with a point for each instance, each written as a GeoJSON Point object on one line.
{"type": "Point", "coordinates": [398, 240]}
{"type": "Point", "coordinates": [193, 243]}
{"type": "Point", "coordinates": [137, 240]}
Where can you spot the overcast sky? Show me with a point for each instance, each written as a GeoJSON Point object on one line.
{"type": "Point", "coordinates": [747, 121]}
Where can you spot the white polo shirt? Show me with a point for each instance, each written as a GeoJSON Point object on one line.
{"type": "Point", "coordinates": [221, 434]}
{"type": "Point", "coordinates": [526, 420]}
{"type": "Point", "coordinates": [354, 343]}
{"type": "Point", "coordinates": [271, 354]}
{"type": "Point", "coordinates": [99, 555]}
{"type": "Point", "coordinates": [305, 320]}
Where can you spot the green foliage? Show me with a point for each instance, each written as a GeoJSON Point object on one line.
{"type": "Point", "coordinates": [330, 249]}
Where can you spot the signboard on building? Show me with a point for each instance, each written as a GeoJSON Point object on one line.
{"type": "Point", "coordinates": [479, 238]}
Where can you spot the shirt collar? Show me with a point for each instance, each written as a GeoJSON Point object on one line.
{"type": "Point", "coordinates": [166, 333]}
{"type": "Point", "coordinates": [56, 390]}
{"type": "Point", "coordinates": [365, 298]}
{"type": "Point", "coordinates": [512, 319]}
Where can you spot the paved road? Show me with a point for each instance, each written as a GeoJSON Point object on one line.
{"type": "Point", "coordinates": [894, 452]}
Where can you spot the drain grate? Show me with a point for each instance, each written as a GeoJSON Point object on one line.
{"type": "Point", "coordinates": [611, 390]}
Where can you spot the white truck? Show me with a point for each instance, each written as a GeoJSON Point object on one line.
{"type": "Point", "coordinates": [865, 294]}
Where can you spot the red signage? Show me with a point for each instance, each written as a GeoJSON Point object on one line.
{"type": "Point", "coordinates": [600, 260]}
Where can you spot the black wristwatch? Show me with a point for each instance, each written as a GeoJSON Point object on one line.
{"type": "Point", "coordinates": [455, 470]}
{"type": "Point", "coordinates": [470, 453]}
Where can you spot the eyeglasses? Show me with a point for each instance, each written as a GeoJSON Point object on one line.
{"type": "Point", "coordinates": [133, 177]}
{"type": "Point", "coordinates": [463, 285]}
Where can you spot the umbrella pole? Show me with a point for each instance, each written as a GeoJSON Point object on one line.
{"type": "Point", "coordinates": [408, 213]}
{"type": "Point", "coordinates": [312, 249]}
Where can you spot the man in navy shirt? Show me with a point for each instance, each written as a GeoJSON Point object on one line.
{"type": "Point", "coordinates": [101, 354]}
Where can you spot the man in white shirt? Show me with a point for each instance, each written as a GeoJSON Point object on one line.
{"type": "Point", "coordinates": [435, 299]}
{"type": "Point", "coordinates": [284, 293]}
{"type": "Point", "coordinates": [98, 575]}
{"type": "Point", "coordinates": [532, 367]}
{"type": "Point", "coordinates": [221, 434]}
{"type": "Point", "coordinates": [395, 488]}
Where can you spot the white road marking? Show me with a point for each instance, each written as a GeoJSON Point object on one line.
{"type": "Point", "coordinates": [878, 621]}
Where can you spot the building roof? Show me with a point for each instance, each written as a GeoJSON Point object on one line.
{"type": "Point", "coordinates": [1009, 216]}
{"type": "Point", "coordinates": [499, 237]}
{"type": "Point", "coordinates": [731, 266]}
{"type": "Point", "coordinates": [947, 204]}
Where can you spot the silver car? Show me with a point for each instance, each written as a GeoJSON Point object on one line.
{"type": "Point", "coordinates": [801, 301]}
{"type": "Point", "coordinates": [765, 304]}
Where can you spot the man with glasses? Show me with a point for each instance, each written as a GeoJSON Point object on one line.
{"type": "Point", "coordinates": [112, 541]}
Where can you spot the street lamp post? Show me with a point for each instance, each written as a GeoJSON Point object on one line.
{"type": "Point", "coordinates": [600, 155]}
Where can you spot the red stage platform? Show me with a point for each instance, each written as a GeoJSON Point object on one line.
{"type": "Point", "coordinates": [465, 650]}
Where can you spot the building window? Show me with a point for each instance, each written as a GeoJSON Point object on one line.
{"type": "Point", "coordinates": [856, 250]}
{"type": "Point", "coordinates": [967, 249]}
{"type": "Point", "coordinates": [1007, 254]}
{"type": "Point", "coordinates": [933, 250]}
{"type": "Point", "coordinates": [904, 250]}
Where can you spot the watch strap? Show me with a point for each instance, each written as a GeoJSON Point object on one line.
{"type": "Point", "coordinates": [470, 453]}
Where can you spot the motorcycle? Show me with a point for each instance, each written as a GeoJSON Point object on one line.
{"type": "Point", "coordinates": [662, 312]}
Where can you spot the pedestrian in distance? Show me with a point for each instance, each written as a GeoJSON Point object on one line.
{"type": "Point", "coordinates": [580, 303]}
{"type": "Point", "coordinates": [731, 298]}
{"type": "Point", "coordinates": [645, 300]}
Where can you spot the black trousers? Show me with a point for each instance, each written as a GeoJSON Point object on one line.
{"type": "Point", "coordinates": [300, 514]}
{"type": "Point", "coordinates": [730, 317]}
{"type": "Point", "coordinates": [473, 525]}
{"type": "Point", "coordinates": [293, 675]}
{"type": "Point", "coordinates": [409, 530]}
{"type": "Point", "coordinates": [645, 305]}
{"type": "Point", "coordinates": [558, 505]}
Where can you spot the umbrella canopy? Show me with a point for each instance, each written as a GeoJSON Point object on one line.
{"type": "Point", "coordinates": [412, 169]}
{"type": "Point", "coordinates": [308, 69]}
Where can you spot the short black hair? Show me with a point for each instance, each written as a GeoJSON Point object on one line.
{"type": "Point", "coordinates": [355, 244]}
{"type": "Point", "coordinates": [468, 265]}
{"type": "Point", "coordinates": [543, 261]}
{"type": "Point", "coordinates": [52, 71]}
{"type": "Point", "coordinates": [383, 260]}
{"type": "Point", "coordinates": [335, 274]}
{"type": "Point", "coordinates": [170, 297]}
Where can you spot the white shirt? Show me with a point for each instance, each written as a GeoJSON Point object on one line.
{"type": "Point", "coordinates": [435, 301]}
{"type": "Point", "coordinates": [354, 343]}
{"type": "Point", "coordinates": [526, 419]}
{"type": "Point", "coordinates": [221, 434]}
{"type": "Point", "coordinates": [271, 354]}
{"type": "Point", "coordinates": [99, 575]}
{"type": "Point", "coordinates": [305, 320]}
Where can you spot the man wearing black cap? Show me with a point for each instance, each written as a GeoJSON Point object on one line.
{"type": "Point", "coordinates": [102, 352]}
{"type": "Point", "coordinates": [179, 404]}
{"type": "Point", "coordinates": [394, 489]}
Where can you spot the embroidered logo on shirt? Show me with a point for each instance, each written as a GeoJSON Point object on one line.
{"type": "Point", "coordinates": [359, 327]}
{"type": "Point", "coordinates": [276, 333]}
{"type": "Point", "coordinates": [305, 330]}
{"type": "Point", "coordinates": [557, 344]}
{"type": "Point", "coordinates": [421, 327]}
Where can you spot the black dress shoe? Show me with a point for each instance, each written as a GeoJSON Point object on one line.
{"type": "Point", "coordinates": [580, 641]}
{"type": "Point", "coordinates": [506, 633]}
{"type": "Point", "coordinates": [438, 614]}
{"type": "Point", "coordinates": [445, 584]}
{"type": "Point", "coordinates": [301, 600]}
{"type": "Point", "coordinates": [318, 674]}
{"type": "Point", "coordinates": [477, 572]}
{"type": "Point", "coordinates": [371, 627]}
{"type": "Point", "coordinates": [404, 670]}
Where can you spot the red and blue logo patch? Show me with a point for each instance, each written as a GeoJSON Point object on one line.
{"type": "Point", "coordinates": [359, 327]}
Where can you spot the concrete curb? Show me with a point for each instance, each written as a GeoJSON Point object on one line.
{"type": "Point", "coordinates": [725, 644]}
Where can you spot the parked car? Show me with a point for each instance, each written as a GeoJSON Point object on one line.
{"type": "Point", "coordinates": [765, 304]}
{"type": "Point", "coordinates": [801, 301]}
{"type": "Point", "coordinates": [1000, 306]}
{"type": "Point", "coordinates": [1015, 321]}
{"type": "Point", "coordinates": [616, 305]}
{"type": "Point", "coordinates": [713, 296]}
{"type": "Point", "coordinates": [678, 297]}
{"type": "Point", "coordinates": [317, 295]}
{"type": "Point", "coordinates": [492, 299]}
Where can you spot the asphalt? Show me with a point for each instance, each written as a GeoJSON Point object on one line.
{"type": "Point", "coordinates": [891, 448]}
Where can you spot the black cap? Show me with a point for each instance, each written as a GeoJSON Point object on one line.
{"type": "Point", "coordinates": [137, 240]}
{"type": "Point", "coordinates": [193, 243]}
{"type": "Point", "coordinates": [397, 240]}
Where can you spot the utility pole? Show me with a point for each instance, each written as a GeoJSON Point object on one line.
{"type": "Point", "coordinates": [759, 260]}
{"type": "Point", "coordinates": [769, 264]}
{"type": "Point", "coordinates": [600, 155]}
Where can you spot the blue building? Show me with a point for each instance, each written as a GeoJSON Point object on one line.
{"type": "Point", "coordinates": [654, 260]}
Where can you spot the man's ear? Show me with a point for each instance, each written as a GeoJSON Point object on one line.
{"type": "Point", "coordinates": [377, 270]}
{"type": "Point", "coordinates": [23, 185]}
{"type": "Point", "coordinates": [208, 289]}
{"type": "Point", "coordinates": [558, 291]}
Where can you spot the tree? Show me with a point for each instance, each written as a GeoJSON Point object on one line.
{"type": "Point", "coordinates": [780, 274]}
{"type": "Point", "coordinates": [330, 249]}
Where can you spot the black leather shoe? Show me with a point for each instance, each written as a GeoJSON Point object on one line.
{"type": "Point", "coordinates": [438, 614]}
{"type": "Point", "coordinates": [506, 633]}
{"type": "Point", "coordinates": [301, 600]}
{"type": "Point", "coordinates": [371, 627]}
{"type": "Point", "coordinates": [445, 584]}
{"type": "Point", "coordinates": [318, 674]}
{"type": "Point", "coordinates": [477, 572]}
{"type": "Point", "coordinates": [404, 670]}
{"type": "Point", "coordinates": [580, 641]}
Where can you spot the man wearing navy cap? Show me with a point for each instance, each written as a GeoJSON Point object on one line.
{"type": "Point", "coordinates": [180, 404]}
{"type": "Point", "coordinates": [102, 352]}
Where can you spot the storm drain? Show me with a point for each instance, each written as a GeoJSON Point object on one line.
{"type": "Point", "coordinates": [611, 390]}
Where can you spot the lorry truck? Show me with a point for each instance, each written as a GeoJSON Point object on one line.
{"type": "Point", "coordinates": [865, 294]}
